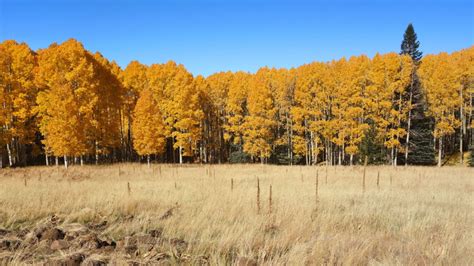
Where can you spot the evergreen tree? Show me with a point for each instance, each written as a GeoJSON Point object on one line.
{"type": "Point", "coordinates": [419, 140]}
{"type": "Point", "coordinates": [410, 44]}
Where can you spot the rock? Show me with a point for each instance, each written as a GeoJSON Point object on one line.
{"type": "Point", "coordinates": [4, 232]}
{"type": "Point", "coordinates": [59, 245]}
{"type": "Point", "coordinates": [146, 239]}
{"type": "Point", "coordinates": [43, 247]}
{"type": "Point", "coordinates": [71, 260]}
{"type": "Point", "coordinates": [52, 234]}
{"type": "Point", "coordinates": [179, 244]}
{"type": "Point", "coordinates": [10, 244]}
{"type": "Point", "coordinates": [95, 260]}
{"type": "Point", "coordinates": [98, 226]}
{"type": "Point", "coordinates": [40, 230]}
{"type": "Point", "coordinates": [76, 259]}
{"type": "Point", "coordinates": [74, 230]}
{"type": "Point", "coordinates": [131, 249]}
{"type": "Point", "coordinates": [156, 232]}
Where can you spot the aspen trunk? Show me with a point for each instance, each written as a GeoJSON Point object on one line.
{"type": "Point", "coordinates": [82, 161]}
{"type": "Point", "coordinates": [57, 161]}
{"type": "Point", "coordinates": [65, 161]}
{"type": "Point", "coordinates": [440, 151]}
{"type": "Point", "coordinates": [96, 153]}
{"type": "Point", "coordinates": [47, 159]}
{"type": "Point", "coordinates": [148, 160]}
{"type": "Point", "coordinates": [291, 143]}
{"type": "Point", "coordinates": [462, 127]}
{"type": "Point", "coordinates": [10, 159]}
{"type": "Point", "coordinates": [395, 158]}
{"type": "Point", "coordinates": [339, 156]}
{"type": "Point", "coordinates": [181, 155]}
{"type": "Point", "coordinates": [317, 153]}
{"type": "Point", "coordinates": [409, 123]}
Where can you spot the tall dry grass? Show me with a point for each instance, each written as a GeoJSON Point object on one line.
{"type": "Point", "coordinates": [334, 215]}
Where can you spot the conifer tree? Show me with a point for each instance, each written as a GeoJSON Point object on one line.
{"type": "Point", "coordinates": [419, 139]}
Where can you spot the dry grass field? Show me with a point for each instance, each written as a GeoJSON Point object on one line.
{"type": "Point", "coordinates": [130, 214]}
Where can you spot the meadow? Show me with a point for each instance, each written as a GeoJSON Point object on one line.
{"type": "Point", "coordinates": [237, 214]}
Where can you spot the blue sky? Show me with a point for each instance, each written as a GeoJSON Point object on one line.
{"type": "Point", "coordinates": [211, 36]}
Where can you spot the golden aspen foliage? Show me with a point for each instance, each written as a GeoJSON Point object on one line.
{"type": "Point", "coordinates": [148, 128]}
{"type": "Point", "coordinates": [110, 93]}
{"type": "Point", "coordinates": [17, 97]}
{"type": "Point", "coordinates": [174, 88]}
{"type": "Point", "coordinates": [439, 81]}
{"type": "Point", "coordinates": [309, 109]}
{"type": "Point", "coordinates": [386, 104]}
{"type": "Point", "coordinates": [67, 98]}
{"type": "Point", "coordinates": [464, 71]}
{"type": "Point", "coordinates": [235, 107]}
{"type": "Point", "coordinates": [260, 123]}
{"type": "Point", "coordinates": [83, 104]}
{"type": "Point", "coordinates": [134, 80]}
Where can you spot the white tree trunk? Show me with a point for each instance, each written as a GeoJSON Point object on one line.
{"type": "Point", "coordinates": [65, 161]}
{"type": "Point", "coordinates": [462, 126]}
{"type": "Point", "coordinates": [10, 159]}
{"type": "Point", "coordinates": [440, 151]}
{"type": "Point", "coordinates": [395, 158]}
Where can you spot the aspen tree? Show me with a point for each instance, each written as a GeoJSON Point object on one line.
{"type": "Point", "coordinates": [67, 98]}
{"type": "Point", "coordinates": [148, 137]}
{"type": "Point", "coordinates": [260, 123]}
{"type": "Point", "coordinates": [17, 94]}
{"type": "Point", "coordinates": [134, 80]}
{"type": "Point", "coordinates": [439, 81]}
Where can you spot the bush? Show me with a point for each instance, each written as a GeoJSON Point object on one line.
{"type": "Point", "coordinates": [239, 157]}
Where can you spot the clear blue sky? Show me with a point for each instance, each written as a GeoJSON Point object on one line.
{"type": "Point", "coordinates": [211, 36]}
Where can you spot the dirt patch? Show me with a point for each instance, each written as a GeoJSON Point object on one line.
{"type": "Point", "coordinates": [52, 241]}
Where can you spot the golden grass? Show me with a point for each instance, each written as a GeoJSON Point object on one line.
{"type": "Point", "coordinates": [417, 215]}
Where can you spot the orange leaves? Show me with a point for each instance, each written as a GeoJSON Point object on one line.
{"type": "Point", "coordinates": [442, 90]}
{"type": "Point", "coordinates": [17, 92]}
{"type": "Point", "coordinates": [80, 100]}
{"type": "Point", "coordinates": [148, 128]}
{"type": "Point", "coordinates": [260, 122]}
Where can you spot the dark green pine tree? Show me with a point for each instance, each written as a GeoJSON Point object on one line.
{"type": "Point", "coordinates": [420, 127]}
{"type": "Point", "coordinates": [372, 148]}
{"type": "Point", "coordinates": [410, 44]}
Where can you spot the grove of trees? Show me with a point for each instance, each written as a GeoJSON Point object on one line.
{"type": "Point", "coordinates": [64, 104]}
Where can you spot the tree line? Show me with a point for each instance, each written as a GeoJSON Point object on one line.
{"type": "Point", "coordinates": [64, 104]}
